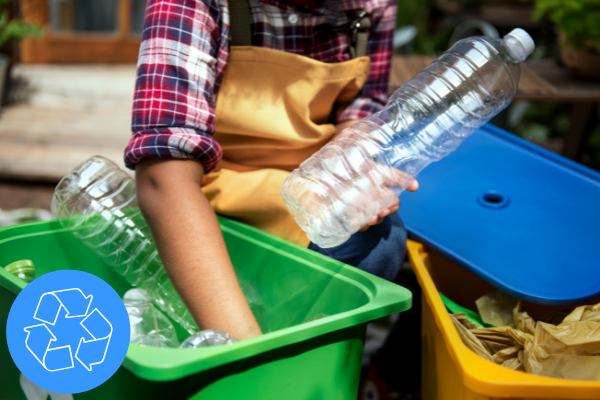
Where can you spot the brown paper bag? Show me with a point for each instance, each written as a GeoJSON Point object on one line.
{"type": "Point", "coordinates": [569, 350]}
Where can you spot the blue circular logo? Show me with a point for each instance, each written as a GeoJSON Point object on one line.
{"type": "Point", "coordinates": [68, 331]}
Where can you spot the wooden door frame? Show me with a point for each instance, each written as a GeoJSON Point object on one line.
{"type": "Point", "coordinates": [78, 47]}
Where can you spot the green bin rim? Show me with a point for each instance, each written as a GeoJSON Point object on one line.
{"type": "Point", "coordinates": [163, 364]}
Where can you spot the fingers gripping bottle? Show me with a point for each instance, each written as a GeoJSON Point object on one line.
{"type": "Point", "coordinates": [97, 203]}
{"type": "Point", "coordinates": [351, 179]}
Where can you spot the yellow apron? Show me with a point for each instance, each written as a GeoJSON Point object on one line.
{"type": "Point", "coordinates": [271, 114]}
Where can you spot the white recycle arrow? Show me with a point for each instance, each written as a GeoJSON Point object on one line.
{"type": "Point", "coordinates": [55, 359]}
{"type": "Point", "coordinates": [39, 337]}
{"type": "Point", "coordinates": [92, 352]}
{"type": "Point", "coordinates": [72, 300]}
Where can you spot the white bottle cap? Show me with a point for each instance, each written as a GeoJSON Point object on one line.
{"type": "Point", "coordinates": [523, 37]}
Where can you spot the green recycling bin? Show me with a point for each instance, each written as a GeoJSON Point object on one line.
{"type": "Point", "coordinates": [296, 360]}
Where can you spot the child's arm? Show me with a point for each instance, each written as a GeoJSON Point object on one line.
{"type": "Point", "coordinates": [191, 245]}
{"type": "Point", "coordinates": [182, 58]}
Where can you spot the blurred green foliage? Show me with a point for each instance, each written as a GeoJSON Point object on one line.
{"type": "Point", "coordinates": [14, 29]}
{"type": "Point", "coordinates": [430, 41]}
{"type": "Point", "coordinates": [577, 20]}
{"type": "Point", "coordinates": [544, 121]}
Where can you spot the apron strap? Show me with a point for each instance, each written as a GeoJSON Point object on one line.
{"type": "Point", "coordinates": [239, 18]}
{"type": "Point", "coordinates": [241, 34]}
{"type": "Point", "coordinates": [359, 33]}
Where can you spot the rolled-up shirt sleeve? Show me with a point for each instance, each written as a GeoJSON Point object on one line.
{"type": "Point", "coordinates": [373, 96]}
{"type": "Point", "coordinates": [183, 53]}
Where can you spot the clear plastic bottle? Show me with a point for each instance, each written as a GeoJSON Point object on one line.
{"type": "Point", "coordinates": [22, 269]}
{"type": "Point", "coordinates": [97, 203]}
{"type": "Point", "coordinates": [351, 179]}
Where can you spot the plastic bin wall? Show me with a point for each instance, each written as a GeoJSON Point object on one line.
{"type": "Point", "coordinates": [450, 369]}
{"type": "Point", "coordinates": [315, 360]}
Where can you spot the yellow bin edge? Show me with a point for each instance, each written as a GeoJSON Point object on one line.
{"type": "Point", "coordinates": [479, 375]}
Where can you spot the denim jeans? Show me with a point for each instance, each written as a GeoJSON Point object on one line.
{"type": "Point", "coordinates": [379, 250]}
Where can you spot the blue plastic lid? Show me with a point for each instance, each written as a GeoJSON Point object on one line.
{"type": "Point", "coordinates": [520, 217]}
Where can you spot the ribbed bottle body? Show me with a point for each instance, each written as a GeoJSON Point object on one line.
{"type": "Point", "coordinates": [97, 203]}
{"type": "Point", "coordinates": [353, 178]}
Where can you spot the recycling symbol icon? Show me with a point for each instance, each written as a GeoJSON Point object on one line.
{"type": "Point", "coordinates": [44, 342]}
{"type": "Point", "coordinates": [67, 331]}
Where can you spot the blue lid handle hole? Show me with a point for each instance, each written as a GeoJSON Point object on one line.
{"type": "Point", "coordinates": [493, 199]}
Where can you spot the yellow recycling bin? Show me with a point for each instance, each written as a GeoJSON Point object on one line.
{"type": "Point", "coordinates": [451, 371]}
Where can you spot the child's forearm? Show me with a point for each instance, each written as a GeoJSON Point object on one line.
{"type": "Point", "coordinates": [191, 245]}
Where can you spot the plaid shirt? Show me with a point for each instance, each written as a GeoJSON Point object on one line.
{"type": "Point", "coordinates": [184, 53]}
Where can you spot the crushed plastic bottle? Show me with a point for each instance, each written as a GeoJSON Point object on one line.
{"type": "Point", "coordinates": [350, 180]}
{"type": "Point", "coordinates": [22, 269]}
{"type": "Point", "coordinates": [149, 326]}
{"type": "Point", "coordinates": [209, 337]}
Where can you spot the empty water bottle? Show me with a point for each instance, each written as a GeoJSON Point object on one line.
{"type": "Point", "coordinates": [149, 327]}
{"type": "Point", "coordinates": [207, 338]}
{"type": "Point", "coordinates": [22, 269]}
{"type": "Point", "coordinates": [255, 298]}
{"type": "Point", "coordinates": [350, 180]}
{"type": "Point", "coordinates": [97, 203]}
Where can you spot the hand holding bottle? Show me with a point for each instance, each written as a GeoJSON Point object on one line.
{"type": "Point", "coordinates": [353, 179]}
{"type": "Point", "coordinates": [389, 210]}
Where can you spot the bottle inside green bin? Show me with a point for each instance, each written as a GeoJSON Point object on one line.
{"type": "Point", "coordinates": [22, 269]}
{"type": "Point", "coordinates": [98, 204]}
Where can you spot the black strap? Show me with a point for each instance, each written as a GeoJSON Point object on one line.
{"type": "Point", "coordinates": [241, 33]}
{"type": "Point", "coordinates": [358, 34]}
{"type": "Point", "coordinates": [239, 17]}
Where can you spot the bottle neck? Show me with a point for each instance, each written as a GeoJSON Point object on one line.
{"type": "Point", "coordinates": [514, 49]}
